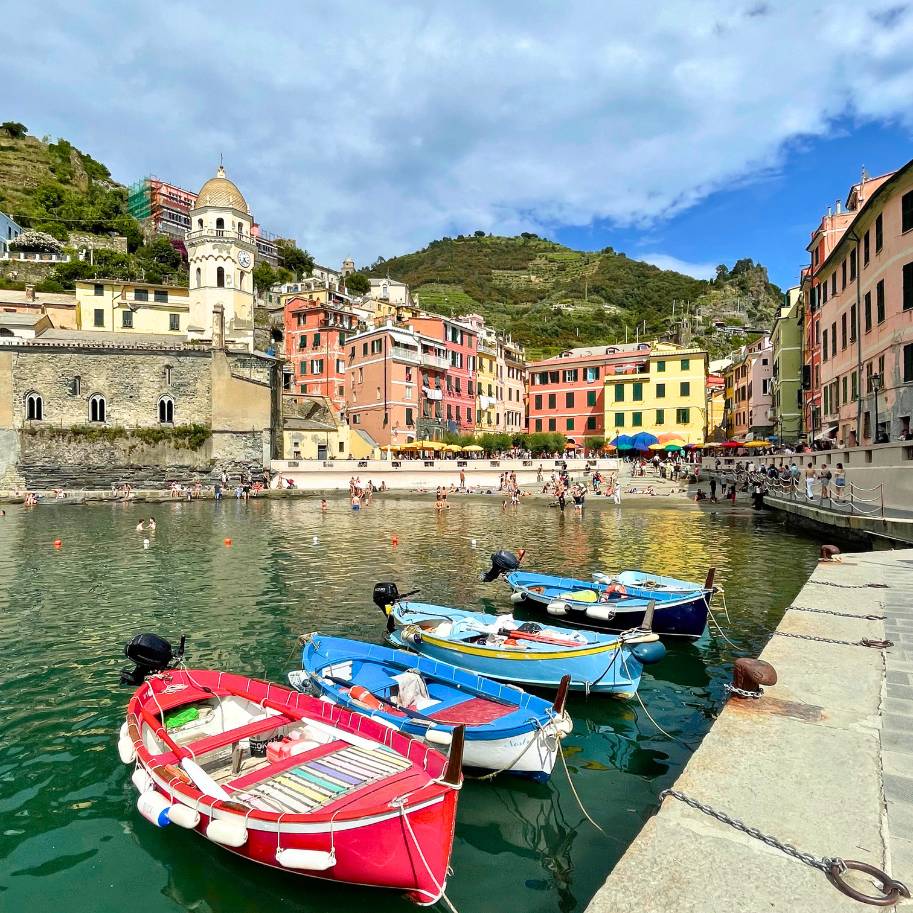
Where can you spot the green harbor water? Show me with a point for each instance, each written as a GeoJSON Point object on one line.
{"type": "Point", "coordinates": [70, 837]}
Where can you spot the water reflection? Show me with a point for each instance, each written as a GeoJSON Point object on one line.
{"type": "Point", "coordinates": [65, 614]}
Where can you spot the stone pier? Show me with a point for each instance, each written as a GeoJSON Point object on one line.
{"type": "Point", "coordinates": [823, 761]}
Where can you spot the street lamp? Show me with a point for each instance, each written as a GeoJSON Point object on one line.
{"type": "Point", "coordinates": [876, 386]}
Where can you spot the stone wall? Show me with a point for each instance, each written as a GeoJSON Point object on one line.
{"type": "Point", "coordinates": [29, 271]}
{"type": "Point", "coordinates": [83, 241]}
{"type": "Point", "coordinates": [132, 382]}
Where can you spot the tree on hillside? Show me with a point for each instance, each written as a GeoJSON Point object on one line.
{"type": "Point", "coordinates": [358, 284]}
{"type": "Point", "coordinates": [722, 273]}
{"type": "Point", "coordinates": [14, 129]}
{"type": "Point", "coordinates": [479, 233]}
{"type": "Point", "coordinates": [265, 276]}
{"type": "Point", "coordinates": [297, 261]}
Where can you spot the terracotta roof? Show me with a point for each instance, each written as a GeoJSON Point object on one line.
{"type": "Point", "coordinates": [16, 297]}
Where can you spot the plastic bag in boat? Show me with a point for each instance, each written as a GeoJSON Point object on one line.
{"type": "Point", "coordinates": [412, 689]}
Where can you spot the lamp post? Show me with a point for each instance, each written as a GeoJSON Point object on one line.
{"type": "Point", "coordinates": [876, 386]}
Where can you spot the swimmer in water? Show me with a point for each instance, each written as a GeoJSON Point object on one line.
{"type": "Point", "coordinates": [139, 526]}
{"type": "Point", "coordinates": [151, 524]}
{"type": "Point", "coordinates": [323, 505]}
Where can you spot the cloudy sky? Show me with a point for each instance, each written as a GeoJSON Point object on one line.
{"type": "Point", "coordinates": [686, 133]}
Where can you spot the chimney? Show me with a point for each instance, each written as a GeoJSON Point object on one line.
{"type": "Point", "coordinates": [839, 207]}
{"type": "Point", "coordinates": [30, 293]}
{"type": "Point", "coordinates": [218, 327]}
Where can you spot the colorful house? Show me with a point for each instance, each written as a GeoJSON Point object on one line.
{"type": "Point", "coordinates": [786, 379]}
{"type": "Point", "coordinates": [119, 305]}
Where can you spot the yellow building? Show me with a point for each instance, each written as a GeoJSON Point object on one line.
{"type": "Point", "coordinates": [487, 387]}
{"type": "Point", "coordinates": [663, 392]}
{"type": "Point", "coordinates": [116, 305]}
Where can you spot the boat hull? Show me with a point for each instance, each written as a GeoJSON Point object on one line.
{"type": "Point", "coordinates": [601, 669]}
{"type": "Point", "coordinates": [521, 736]}
{"type": "Point", "coordinates": [682, 616]}
{"type": "Point", "coordinates": [369, 826]}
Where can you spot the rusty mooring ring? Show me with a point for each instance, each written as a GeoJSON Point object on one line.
{"type": "Point", "coordinates": [893, 890]}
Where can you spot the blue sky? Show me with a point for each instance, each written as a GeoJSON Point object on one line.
{"type": "Point", "coordinates": [687, 133]}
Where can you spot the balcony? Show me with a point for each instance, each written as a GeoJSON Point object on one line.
{"type": "Point", "coordinates": [435, 361]}
{"type": "Point", "coordinates": [220, 234]}
{"type": "Point", "coordinates": [487, 349]}
{"type": "Point", "coordinates": [401, 353]}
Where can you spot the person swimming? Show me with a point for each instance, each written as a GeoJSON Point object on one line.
{"type": "Point", "coordinates": [323, 505]}
{"type": "Point", "coordinates": [139, 526]}
{"type": "Point", "coordinates": [151, 524]}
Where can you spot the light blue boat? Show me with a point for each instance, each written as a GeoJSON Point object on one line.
{"type": "Point", "coordinates": [505, 728]}
{"type": "Point", "coordinates": [523, 653]}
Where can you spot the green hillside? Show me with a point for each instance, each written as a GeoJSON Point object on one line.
{"type": "Point", "coordinates": [551, 297]}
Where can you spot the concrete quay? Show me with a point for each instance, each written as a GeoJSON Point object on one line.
{"type": "Point", "coordinates": [823, 761]}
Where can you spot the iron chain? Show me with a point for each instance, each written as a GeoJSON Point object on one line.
{"type": "Point", "coordinates": [816, 862]}
{"type": "Point", "coordinates": [851, 586]}
{"type": "Point", "coordinates": [741, 692]}
{"type": "Point", "coordinates": [802, 608]}
{"type": "Point", "coordinates": [865, 642]}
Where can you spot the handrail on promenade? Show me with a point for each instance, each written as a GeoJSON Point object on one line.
{"type": "Point", "coordinates": [792, 490]}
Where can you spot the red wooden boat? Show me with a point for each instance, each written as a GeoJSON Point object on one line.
{"type": "Point", "coordinates": [292, 782]}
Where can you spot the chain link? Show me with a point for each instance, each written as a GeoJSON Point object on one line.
{"type": "Point", "coordinates": [825, 865]}
{"type": "Point", "coordinates": [865, 642]}
{"type": "Point", "coordinates": [802, 608]}
{"type": "Point", "coordinates": [851, 586]}
{"type": "Point", "coordinates": [741, 692]}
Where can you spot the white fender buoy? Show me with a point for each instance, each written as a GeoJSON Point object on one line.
{"type": "Point", "coordinates": [313, 860]}
{"type": "Point", "coordinates": [153, 807]}
{"type": "Point", "coordinates": [516, 597]}
{"type": "Point", "coordinates": [145, 543]}
{"type": "Point", "coordinates": [141, 779]}
{"type": "Point", "coordinates": [557, 607]}
{"type": "Point", "coordinates": [315, 540]}
{"type": "Point", "coordinates": [227, 832]}
{"type": "Point", "coordinates": [126, 750]}
{"type": "Point", "coordinates": [600, 613]}
{"type": "Point", "coordinates": [124, 730]}
{"type": "Point", "coordinates": [183, 816]}
{"type": "Point", "coordinates": [473, 543]}
{"type": "Point", "coordinates": [439, 737]}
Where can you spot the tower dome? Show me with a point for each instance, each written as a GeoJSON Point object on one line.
{"type": "Point", "coordinates": [220, 191]}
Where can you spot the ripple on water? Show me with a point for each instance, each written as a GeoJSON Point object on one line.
{"type": "Point", "coordinates": [65, 614]}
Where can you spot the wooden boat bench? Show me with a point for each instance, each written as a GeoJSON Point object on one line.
{"type": "Point", "coordinates": [229, 737]}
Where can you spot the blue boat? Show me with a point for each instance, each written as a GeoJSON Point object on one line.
{"type": "Point", "coordinates": [618, 603]}
{"type": "Point", "coordinates": [506, 729]}
{"type": "Point", "coordinates": [523, 653]}
{"type": "Point", "coordinates": [614, 603]}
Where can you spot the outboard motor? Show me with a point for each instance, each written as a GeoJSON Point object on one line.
{"type": "Point", "coordinates": [385, 594]}
{"type": "Point", "coordinates": [150, 654]}
{"type": "Point", "coordinates": [503, 562]}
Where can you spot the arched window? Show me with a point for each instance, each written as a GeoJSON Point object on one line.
{"type": "Point", "coordinates": [220, 226]}
{"type": "Point", "coordinates": [220, 277]}
{"type": "Point", "coordinates": [34, 407]}
{"type": "Point", "coordinates": [166, 411]}
{"type": "Point", "coordinates": [240, 229]}
{"type": "Point", "coordinates": [200, 224]}
{"type": "Point", "coordinates": [199, 277]}
{"type": "Point", "coordinates": [97, 408]}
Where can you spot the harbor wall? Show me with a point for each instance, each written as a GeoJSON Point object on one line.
{"type": "Point", "coordinates": [816, 762]}
{"type": "Point", "coordinates": [334, 475]}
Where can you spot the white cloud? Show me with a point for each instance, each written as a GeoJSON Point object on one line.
{"type": "Point", "coordinates": [367, 128]}
{"type": "Point", "coordinates": [665, 261]}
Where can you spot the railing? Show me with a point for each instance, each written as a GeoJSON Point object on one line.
{"type": "Point", "coordinates": [219, 234]}
{"type": "Point", "coordinates": [404, 354]}
{"type": "Point", "coordinates": [851, 499]}
{"type": "Point", "coordinates": [435, 361]}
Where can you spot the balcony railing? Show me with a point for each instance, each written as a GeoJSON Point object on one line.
{"type": "Point", "coordinates": [434, 361]}
{"type": "Point", "coordinates": [403, 354]}
{"type": "Point", "coordinates": [220, 234]}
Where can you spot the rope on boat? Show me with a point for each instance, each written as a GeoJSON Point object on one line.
{"type": "Point", "coordinates": [492, 774]}
{"type": "Point", "coordinates": [719, 628]}
{"type": "Point", "coordinates": [586, 814]}
{"type": "Point", "coordinates": [440, 887]}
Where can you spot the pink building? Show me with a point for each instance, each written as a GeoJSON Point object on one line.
{"type": "Point", "coordinates": [866, 315]}
{"type": "Point", "coordinates": [395, 385]}
{"type": "Point", "coordinates": [461, 342]}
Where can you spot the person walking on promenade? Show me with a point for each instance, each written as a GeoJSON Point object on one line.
{"type": "Point", "coordinates": [840, 483]}
{"type": "Point", "coordinates": [712, 488]}
{"type": "Point", "coordinates": [810, 481]}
